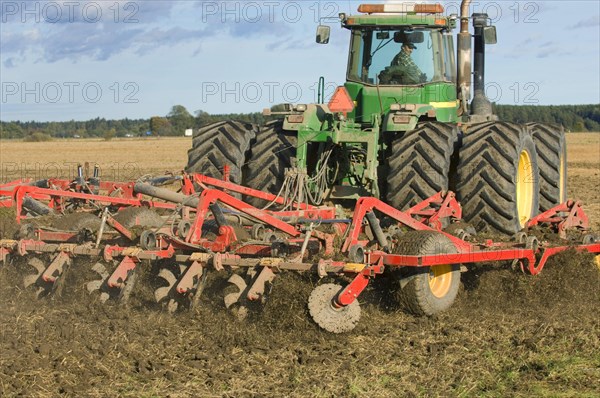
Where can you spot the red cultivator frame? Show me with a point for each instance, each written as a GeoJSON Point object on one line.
{"type": "Point", "coordinates": [205, 226]}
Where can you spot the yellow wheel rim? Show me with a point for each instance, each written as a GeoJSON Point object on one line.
{"type": "Point", "coordinates": [524, 188]}
{"type": "Point", "coordinates": [561, 181]}
{"type": "Point", "coordinates": [440, 280]}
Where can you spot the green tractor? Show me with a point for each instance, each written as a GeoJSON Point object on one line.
{"type": "Point", "coordinates": [402, 128]}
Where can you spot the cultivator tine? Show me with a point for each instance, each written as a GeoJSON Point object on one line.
{"type": "Point", "coordinates": [163, 292]}
{"type": "Point", "coordinates": [128, 287]}
{"type": "Point", "coordinates": [33, 278]}
{"type": "Point", "coordinates": [47, 278]}
{"type": "Point", "coordinates": [30, 280]}
{"type": "Point", "coordinates": [232, 298]}
{"type": "Point", "coordinates": [99, 284]}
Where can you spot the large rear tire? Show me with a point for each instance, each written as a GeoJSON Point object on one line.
{"type": "Point", "coordinates": [427, 290]}
{"type": "Point", "coordinates": [551, 147]}
{"type": "Point", "coordinates": [498, 177]}
{"type": "Point", "coordinates": [272, 153]}
{"type": "Point", "coordinates": [220, 144]}
{"type": "Point", "coordinates": [419, 163]}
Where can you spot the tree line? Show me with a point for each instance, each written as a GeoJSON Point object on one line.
{"type": "Point", "coordinates": [575, 118]}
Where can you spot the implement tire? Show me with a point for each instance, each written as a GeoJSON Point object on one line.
{"type": "Point", "coordinates": [551, 147]}
{"type": "Point", "coordinates": [220, 144]}
{"type": "Point", "coordinates": [498, 177]}
{"type": "Point", "coordinates": [428, 290]}
{"type": "Point", "coordinates": [419, 163]}
{"type": "Point", "coordinates": [272, 153]}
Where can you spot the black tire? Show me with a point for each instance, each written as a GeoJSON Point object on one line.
{"type": "Point", "coordinates": [273, 152]}
{"type": "Point", "coordinates": [419, 163]}
{"type": "Point", "coordinates": [220, 144]}
{"type": "Point", "coordinates": [551, 147]}
{"type": "Point", "coordinates": [488, 177]}
{"type": "Point", "coordinates": [430, 290]}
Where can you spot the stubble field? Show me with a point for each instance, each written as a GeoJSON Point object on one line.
{"type": "Point", "coordinates": [508, 334]}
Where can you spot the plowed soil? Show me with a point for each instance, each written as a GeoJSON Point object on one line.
{"type": "Point", "coordinates": [508, 334]}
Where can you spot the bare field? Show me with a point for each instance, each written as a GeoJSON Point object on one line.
{"type": "Point", "coordinates": [508, 334]}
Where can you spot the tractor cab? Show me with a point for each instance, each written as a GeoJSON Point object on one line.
{"type": "Point", "coordinates": [400, 55]}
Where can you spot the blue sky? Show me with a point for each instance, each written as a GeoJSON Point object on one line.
{"type": "Point", "coordinates": [63, 60]}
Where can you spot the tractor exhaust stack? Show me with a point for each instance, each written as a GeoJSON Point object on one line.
{"type": "Point", "coordinates": [464, 57]}
{"type": "Point", "coordinates": [481, 107]}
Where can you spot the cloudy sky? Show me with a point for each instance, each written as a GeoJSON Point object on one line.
{"type": "Point", "coordinates": [63, 60]}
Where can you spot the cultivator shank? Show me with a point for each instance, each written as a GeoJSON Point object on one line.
{"type": "Point", "coordinates": [201, 227]}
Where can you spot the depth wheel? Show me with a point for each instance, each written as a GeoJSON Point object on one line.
{"type": "Point", "coordinates": [551, 147]}
{"type": "Point", "coordinates": [419, 163]}
{"type": "Point", "coordinates": [273, 152]}
{"type": "Point", "coordinates": [428, 290]}
{"type": "Point", "coordinates": [498, 177]}
{"type": "Point", "coordinates": [220, 144]}
{"type": "Point", "coordinates": [323, 312]}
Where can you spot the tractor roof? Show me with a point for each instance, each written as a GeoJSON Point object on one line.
{"type": "Point", "coordinates": [399, 15]}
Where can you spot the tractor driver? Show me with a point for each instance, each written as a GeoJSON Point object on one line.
{"type": "Point", "coordinates": [403, 69]}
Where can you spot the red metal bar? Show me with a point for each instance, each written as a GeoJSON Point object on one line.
{"type": "Point", "coordinates": [366, 204]}
{"type": "Point", "coordinates": [55, 268]}
{"type": "Point", "coordinates": [211, 196]}
{"type": "Point", "coordinates": [202, 179]}
{"type": "Point", "coordinates": [119, 276]}
{"type": "Point", "coordinates": [549, 252]}
{"type": "Point", "coordinates": [398, 260]}
{"type": "Point", "coordinates": [186, 283]}
{"type": "Point", "coordinates": [446, 205]}
{"type": "Point", "coordinates": [575, 218]}
{"type": "Point", "coordinates": [358, 285]}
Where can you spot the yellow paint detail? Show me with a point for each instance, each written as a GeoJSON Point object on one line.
{"type": "Point", "coordinates": [450, 104]}
{"type": "Point", "coordinates": [354, 267]}
{"type": "Point", "coordinates": [524, 188]}
{"type": "Point", "coordinates": [440, 279]}
{"type": "Point", "coordinates": [597, 261]}
{"type": "Point", "coordinates": [561, 184]}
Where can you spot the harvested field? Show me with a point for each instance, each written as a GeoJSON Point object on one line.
{"type": "Point", "coordinates": [507, 335]}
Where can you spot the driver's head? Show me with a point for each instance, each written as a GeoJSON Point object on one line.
{"type": "Point", "coordinates": [408, 47]}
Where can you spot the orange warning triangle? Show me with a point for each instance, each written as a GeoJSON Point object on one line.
{"type": "Point", "coordinates": [341, 101]}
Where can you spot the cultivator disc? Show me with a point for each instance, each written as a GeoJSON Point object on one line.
{"type": "Point", "coordinates": [327, 315]}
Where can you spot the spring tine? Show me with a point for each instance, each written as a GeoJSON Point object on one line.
{"type": "Point", "coordinates": [238, 281]}
{"type": "Point", "coordinates": [94, 285]}
{"type": "Point", "coordinates": [172, 306]}
{"type": "Point", "coordinates": [231, 298]}
{"type": "Point", "coordinates": [104, 297]}
{"type": "Point", "coordinates": [168, 276]}
{"type": "Point", "coordinates": [100, 269]}
{"type": "Point", "coordinates": [161, 293]}
{"type": "Point", "coordinates": [30, 280]}
{"type": "Point", "coordinates": [37, 264]}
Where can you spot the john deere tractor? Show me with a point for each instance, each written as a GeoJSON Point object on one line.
{"type": "Point", "coordinates": [403, 127]}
